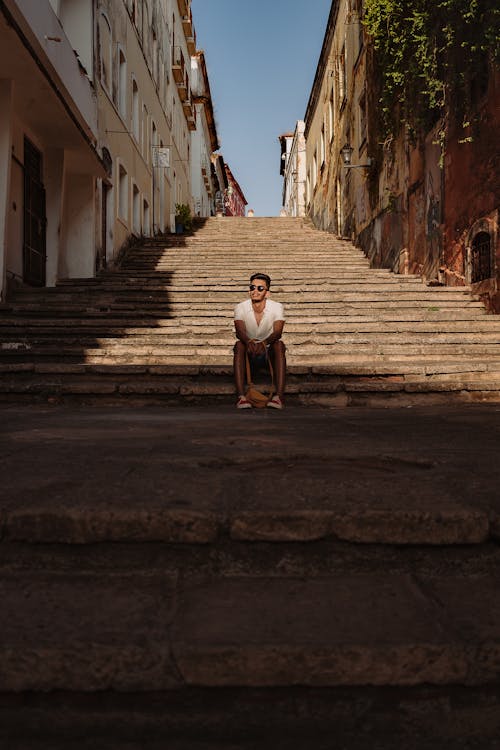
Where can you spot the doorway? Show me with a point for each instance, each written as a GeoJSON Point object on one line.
{"type": "Point", "coordinates": [35, 220]}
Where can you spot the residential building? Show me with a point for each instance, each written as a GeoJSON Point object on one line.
{"type": "Point", "coordinates": [335, 114]}
{"type": "Point", "coordinates": [146, 114]}
{"type": "Point", "coordinates": [235, 201]}
{"type": "Point", "coordinates": [293, 170]}
{"type": "Point", "coordinates": [409, 208]}
{"type": "Point", "coordinates": [48, 142]}
{"type": "Point", "coordinates": [96, 129]}
{"type": "Point", "coordinates": [221, 183]}
{"type": "Point", "coordinates": [204, 141]}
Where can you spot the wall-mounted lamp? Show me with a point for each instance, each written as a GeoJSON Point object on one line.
{"type": "Point", "coordinates": [346, 153]}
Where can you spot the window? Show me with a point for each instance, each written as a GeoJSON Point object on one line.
{"type": "Point", "coordinates": [322, 146]}
{"type": "Point", "coordinates": [342, 79]}
{"type": "Point", "coordinates": [145, 132]}
{"type": "Point", "coordinates": [362, 121]}
{"type": "Point", "coordinates": [146, 25]}
{"type": "Point", "coordinates": [330, 114]}
{"type": "Point", "coordinates": [136, 124]}
{"type": "Point", "coordinates": [481, 257]}
{"type": "Point", "coordinates": [105, 52]}
{"type": "Point", "coordinates": [136, 210]}
{"type": "Point", "coordinates": [122, 84]}
{"type": "Point", "coordinates": [123, 193]}
{"type": "Point", "coordinates": [146, 219]}
{"type": "Point", "coordinates": [315, 169]}
{"type": "Point", "coordinates": [154, 53]}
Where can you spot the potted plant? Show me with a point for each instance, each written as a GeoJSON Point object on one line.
{"type": "Point", "coordinates": [183, 218]}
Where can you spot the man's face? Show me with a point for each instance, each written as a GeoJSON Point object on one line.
{"type": "Point", "coordinates": [258, 290]}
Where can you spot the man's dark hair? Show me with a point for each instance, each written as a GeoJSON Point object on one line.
{"type": "Point", "coordinates": [262, 276]}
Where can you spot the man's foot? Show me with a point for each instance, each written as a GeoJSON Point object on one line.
{"type": "Point", "coordinates": [276, 403]}
{"type": "Point", "coordinates": [242, 403]}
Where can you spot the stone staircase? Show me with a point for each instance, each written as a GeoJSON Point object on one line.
{"type": "Point", "coordinates": [201, 579]}
{"type": "Point", "coordinates": [160, 326]}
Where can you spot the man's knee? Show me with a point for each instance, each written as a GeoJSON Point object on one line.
{"type": "Point", "coordinates": [239, 348]}
{"type": "Point", "coordinates": [279, 348]}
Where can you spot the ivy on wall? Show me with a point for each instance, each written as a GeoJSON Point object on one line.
{"type": "Point", "coordinates": [432, 55]}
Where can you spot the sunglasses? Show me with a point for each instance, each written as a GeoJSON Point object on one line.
{"type": "Point", "coordinates": [259, 288]}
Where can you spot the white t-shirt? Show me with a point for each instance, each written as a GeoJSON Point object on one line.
{"type": "Point", "coordinates": [273, 311]}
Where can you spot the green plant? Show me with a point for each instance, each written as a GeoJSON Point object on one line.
{"type": "Point", "coordinates": [183, 215]}
{"type": "Point", "coordinates": [432, 56]}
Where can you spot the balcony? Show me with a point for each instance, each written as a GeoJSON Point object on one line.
{"type": "Point", "coordinates": [191, 44]}
{"type": "Point", "coordinates": [184, 7]}
{"type": "Point", "coordinates": [191, 119]}
{"type": "Point", "coordinates": [187, 108]}
{"type": "Point", "coordinates": [178, 66]}
{"type": "Point", "coordinates": [189, 32]}
{"type": "Point", "coordinates": [183, 89]}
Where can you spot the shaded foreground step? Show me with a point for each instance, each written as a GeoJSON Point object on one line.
{"type": "Point", "coordinates": [89, 632]}
{"type": "Point", "coordinates": [199, 578]}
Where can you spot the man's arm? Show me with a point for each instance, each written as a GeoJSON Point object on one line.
{"type": "Point", "coordinates": [242, 335]}
{"type": "Point", "coordinates": [277, 332]}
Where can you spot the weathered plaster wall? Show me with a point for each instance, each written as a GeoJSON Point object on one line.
{"type": "Point", "coordinates": [472, 178]}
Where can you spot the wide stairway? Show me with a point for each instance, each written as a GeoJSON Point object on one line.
{"type": "Point", "coordinates": [204, 579]}
{"type": "Point", "coordinates": [160, 326]}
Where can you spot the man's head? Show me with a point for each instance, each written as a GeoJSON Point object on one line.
{"type": "Point", "coordinates": [259, 286]}
{"type": "Point", "coordinates": [255, 278]}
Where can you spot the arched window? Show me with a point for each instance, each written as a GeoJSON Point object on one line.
{"type": "Point", "coordinates": [105, 52]}
{"type": "Point", "coordinates": [480, 257]}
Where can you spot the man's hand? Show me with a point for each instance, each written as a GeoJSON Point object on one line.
{"type": "Point", "coordinates": [256, 347]}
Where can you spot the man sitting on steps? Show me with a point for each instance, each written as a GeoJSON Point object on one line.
{"type": "Point", "coordinates": [259, 325]}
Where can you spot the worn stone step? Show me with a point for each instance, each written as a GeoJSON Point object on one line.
{"type": "Point", "coordinates": [473, 369]}
{"type": "Point", "coordinates": [448, 320]}
{"type": "Point", "coordinates": [222, 335]}
{"type": "Point", "coordinates": [88, 631]}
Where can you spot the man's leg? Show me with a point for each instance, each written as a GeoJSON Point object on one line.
{"type": "Point", "coordinates": [279, 363]}
{"type": "Point", "coordinates": [239, 365]}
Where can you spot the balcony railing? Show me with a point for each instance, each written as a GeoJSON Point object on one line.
{"type": "Point", "coordinates": [178, 65]}
{"type": "Point", "coordinates": [183, 89]}
{"type": "Point", "coordinates": [184, 7]}
{"type": "Point", "coordinates": [189, 32]}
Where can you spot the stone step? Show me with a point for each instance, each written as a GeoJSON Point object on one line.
{"type": "Point", "coordinates": [294, 308]}
{"type": "Point", "coordinates": [471, 330]}
{"type": "Point", "coordinates": [394, 630]}
{"type": "Point", "coordinates": [340, 391]}
{"type": "Point", "coordinates": [312, 343]}
{"type": "Point", "coordinates": [346, 368]}
{"type": "Point", "coordinates": [448, 320]}
{"type": "Point", "coordinates": [167, 296]}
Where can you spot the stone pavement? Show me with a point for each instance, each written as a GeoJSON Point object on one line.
{"type": "Point", "coordinates": [221, 579]}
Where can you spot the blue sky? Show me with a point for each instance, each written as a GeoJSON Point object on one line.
{"type": "Point", "coordinates": [261, 59]}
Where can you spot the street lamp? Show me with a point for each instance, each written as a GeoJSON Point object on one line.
{"type": "Point", "coordinates": [346, 153]}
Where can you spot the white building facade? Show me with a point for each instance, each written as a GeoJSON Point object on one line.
{"type": "Point", "coordinates": [48, 143]}
{"type": "Point", "coordinates": [146, 115]}
{"type": "Point", "coordinates": [204, 141]}
{"type": "Point", "coordinates": [293, 170]}
{"type": "Point", "coordinates": [97, 113]}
